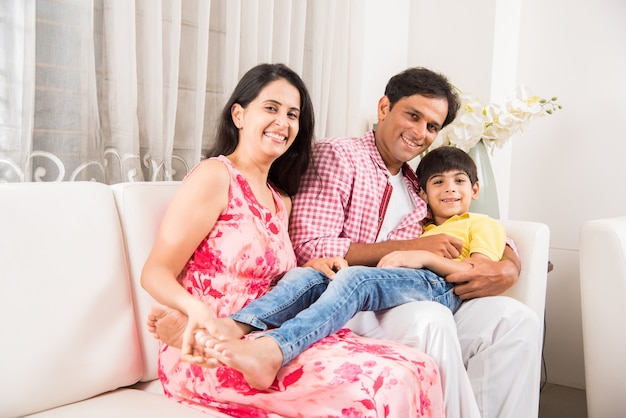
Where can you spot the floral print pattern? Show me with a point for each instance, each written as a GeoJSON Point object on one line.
{"type": "Point", "coordinates": [343, 375]}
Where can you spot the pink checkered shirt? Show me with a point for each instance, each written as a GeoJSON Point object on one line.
{"type": "Point", "coordinates": [343, 198]}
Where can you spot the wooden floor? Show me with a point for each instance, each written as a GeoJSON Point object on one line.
{"type": "Point", "coordinates": [562, 402]}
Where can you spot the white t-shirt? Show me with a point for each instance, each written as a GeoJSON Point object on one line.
{"type": "Point", "coordinates": [400, 204]}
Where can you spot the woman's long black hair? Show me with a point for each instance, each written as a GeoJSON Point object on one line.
{"type": "Point", "coordinates": [288, 169]}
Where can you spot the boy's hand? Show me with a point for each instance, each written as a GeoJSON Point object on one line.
{"type": "Point", "coordinates": [412, 259]}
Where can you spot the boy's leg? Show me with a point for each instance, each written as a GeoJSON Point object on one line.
{"type": "Point", "coordinates": [295, 291]}
{"type": "Point", "coordinates": [352, 290]}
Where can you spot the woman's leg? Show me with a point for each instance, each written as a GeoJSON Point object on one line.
{"type": "Point", "coordinates": [428, 327]}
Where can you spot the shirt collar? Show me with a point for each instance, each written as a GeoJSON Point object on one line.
{"type": "Point", "coordinates": [369, 142]}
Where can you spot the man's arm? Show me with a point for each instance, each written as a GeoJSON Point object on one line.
{"type": "Point", "coordinates": [318, 214]}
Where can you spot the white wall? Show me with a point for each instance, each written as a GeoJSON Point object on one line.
{"type": "Point", "coordinates": [380, 61]}
{"type": "Point", "coordinates": [566, 168]}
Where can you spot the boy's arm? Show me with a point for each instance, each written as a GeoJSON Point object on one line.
{"type": "Point", "coordinates": [424, 259]}
{"type": "Point", "coordinates": [369, 254]}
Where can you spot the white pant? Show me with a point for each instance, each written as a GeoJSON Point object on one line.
{"type": "Point", "coordinates": [489, 353]}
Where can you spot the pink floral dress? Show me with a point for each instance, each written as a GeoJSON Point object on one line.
{"type": "Point", "coordinates": [343, 375]}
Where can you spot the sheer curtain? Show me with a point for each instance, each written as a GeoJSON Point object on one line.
{"type": "Point", "coordinates": [120, 90]}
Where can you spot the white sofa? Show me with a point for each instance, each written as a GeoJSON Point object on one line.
{"type": "Point", "coordinates": [72, 312]}
{"type": "Point", "coordinates": [603, 303]}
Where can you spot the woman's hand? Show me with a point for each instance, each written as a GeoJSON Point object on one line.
{"type": "Point", "coordinates": [328, 265]}
{"type": "Point", "coordinates": [201, 322]}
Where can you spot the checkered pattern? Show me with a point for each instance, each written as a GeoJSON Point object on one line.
{"type": "Point", "coordinates": [343, 198]}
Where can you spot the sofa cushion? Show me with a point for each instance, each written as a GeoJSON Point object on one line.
{"type": "Point", "coordinates": [126, 403]}
{"type": "Point", "coordinates": [66, 312]}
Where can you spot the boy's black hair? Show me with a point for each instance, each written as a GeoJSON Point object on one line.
{"type": "Point", "coordinates": [444, 159]}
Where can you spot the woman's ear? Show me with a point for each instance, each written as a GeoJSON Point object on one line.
{"type": "Point", "coordinates": [236, 112]}
{"type": "Point", "coordinates": [475, 190]}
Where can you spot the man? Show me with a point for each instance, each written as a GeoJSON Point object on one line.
{"type": "Point", "coordinates": [360, 201]}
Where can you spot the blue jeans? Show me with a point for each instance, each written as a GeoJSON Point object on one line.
{"type": "Point", "coordinates": [305, 306]}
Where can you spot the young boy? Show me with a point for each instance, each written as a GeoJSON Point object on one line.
{"type": "Point", "coordinates": [307, 306]}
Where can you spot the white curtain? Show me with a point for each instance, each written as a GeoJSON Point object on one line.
{"type": "Point", "coordinates": [121, 90]}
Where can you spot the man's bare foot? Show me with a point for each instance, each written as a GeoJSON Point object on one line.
{"type": "Point", "coordinates": [168, 325]}
{"type": "Point", "coordinates": [259, 360]}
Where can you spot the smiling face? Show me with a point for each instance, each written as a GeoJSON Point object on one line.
{"type": "Point", "coordinates": [408, 128]}
{"type": "Point", "coordinates": [270, 122]}
{"type": "Point", "coordinates": [449, 193]}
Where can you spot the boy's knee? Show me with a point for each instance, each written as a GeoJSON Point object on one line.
{"type": "Point", "coordinates": [304, 276]}
{"type": "Point", "coordinates": [353, 274]}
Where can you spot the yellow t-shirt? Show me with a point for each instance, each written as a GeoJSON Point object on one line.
{"type": "Point", "coordinates": [479, 233]}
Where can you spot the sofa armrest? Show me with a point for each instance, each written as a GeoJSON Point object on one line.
{"type": "Point", "coordinates": [603, 291]}
{"type": "Point", "coordinates": [533, 241]}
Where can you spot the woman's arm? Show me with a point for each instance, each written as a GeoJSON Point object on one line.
{"type": "Point", "coordinates": [191, 215]}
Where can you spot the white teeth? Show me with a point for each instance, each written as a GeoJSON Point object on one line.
{"type": "Point", "coordinates": [409, 141]}
{"type": "Point", "coordinates": [276, 136]}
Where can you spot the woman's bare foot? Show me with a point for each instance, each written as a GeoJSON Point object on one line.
{"type": "Point", "coordinates": [168, 325]}
{"type": "Point", "coordinates": [259, 360]}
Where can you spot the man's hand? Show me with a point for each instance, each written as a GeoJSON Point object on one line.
{"type": "Point", "coordinates": [329, 265]}
{"type": "Point", "coordinates": [486, 278]}
{"type": "Point", "coordinates": [440, 244]}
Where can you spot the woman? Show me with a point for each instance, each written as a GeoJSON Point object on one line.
{"type": "Point", "coordinates": [224, 240]}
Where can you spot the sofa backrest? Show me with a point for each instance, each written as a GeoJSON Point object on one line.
{"type": "Point", "coordinates": [66, 316]}
{"type": "Point", "coordinates": [141, 207]}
